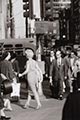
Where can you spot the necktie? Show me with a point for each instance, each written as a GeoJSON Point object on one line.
{"type": "Point", "coordinates": [59, 63]}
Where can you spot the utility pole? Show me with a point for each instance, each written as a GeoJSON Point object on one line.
{"type": "Point", "coordinates": [11, 21]}
{"type": "Point", "coordinates": [26, 20]}
{"type": "Point", "coordinates": [28, 12]}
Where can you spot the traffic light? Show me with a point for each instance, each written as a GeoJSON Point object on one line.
{"type": "Point", "coordinates": [63, 24]}
{"type": "Point", "coordinates": [48, 10]}
{"type": "Point", "coordinates": [28, 8]}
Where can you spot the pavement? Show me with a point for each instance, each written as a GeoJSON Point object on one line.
{"type": "Point", "coordinates": [51, 108]}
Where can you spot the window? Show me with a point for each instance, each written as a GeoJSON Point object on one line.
{"type": "Point", "coordinates": [8, 46]}
{"type": "Point", "coordinates": [19, 45]}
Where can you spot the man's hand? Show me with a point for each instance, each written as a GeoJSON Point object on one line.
{"type": "Point", "coordinates": [51, 81]}
{"type": "Point", "coordinates": [65, 77]}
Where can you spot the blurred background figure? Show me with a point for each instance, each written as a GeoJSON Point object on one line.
{"type": "Point", "coordinates": [71, 109]}
{"type": "Point", "coordinates": [3, 103]}
{"type": "Point", "coordinates": [52, 58]}
{"type": "Point", "coordinates": [67, 68]}
{"type": "Point", "coordinates": [7, 71]}
{"type": "Point", "coordinates": [48, 60]}
{"type": "Point", "coordinates": [15, 64]}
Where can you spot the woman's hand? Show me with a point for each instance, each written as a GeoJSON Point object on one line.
{"type": "Point", "coordinates": [15, 73]}
{"type": "Point", "coordinates": [14, 80]}
{"type": "Point", "coordinates": [41, 79]}
{"type": "Point", "coordinates": [20, 75]}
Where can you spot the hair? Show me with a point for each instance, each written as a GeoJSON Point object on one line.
{"type": "Point", "coordinates": [4, 55]}
{"type": "Point", "coordinates": [13, 55]}
{"type": "Point", "coordinates": [29, 53]}
{"type": "Point", "coordinates": [30, 49]}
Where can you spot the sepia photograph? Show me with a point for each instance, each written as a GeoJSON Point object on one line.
{"type": "Point", "coordinates": [39, 59]}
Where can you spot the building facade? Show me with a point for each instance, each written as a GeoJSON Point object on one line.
{"type": "Point", "coordinates": [12, 21]}
{"type": "Point", "coordinates": [3, 18]}
{"type": "Point", "coordinates": [75, 14]}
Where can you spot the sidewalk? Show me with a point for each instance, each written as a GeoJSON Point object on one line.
{"type": "Point", "coordinates": [51, 110]}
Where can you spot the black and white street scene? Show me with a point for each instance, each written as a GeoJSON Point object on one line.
{"type": "Point", "coordinates": [39, 59]}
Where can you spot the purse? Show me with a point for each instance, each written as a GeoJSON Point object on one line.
{"type": "Point", "coordinates": [6, 87]}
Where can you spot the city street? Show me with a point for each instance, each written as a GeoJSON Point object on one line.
{"type": "Point", "coordinates": [39, 49]}
{"type": "Point", "coordinates": [51, 110]}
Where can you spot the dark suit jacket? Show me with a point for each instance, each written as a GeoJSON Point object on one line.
{"type": "Point", "coordinates": [1, 99]}
{"type": "Point", "coordinates": [56, 72]}
{"type": "Point", "coordinates": [15, 66]}
{"type": "Point", "coordinates": [68, 66]}
{"type": "Point", "coordinates": [71, 109]}
{"type": "Point", "coordinates": [47, 65]}
{"type": "Point", "coordinates": [7, 69]}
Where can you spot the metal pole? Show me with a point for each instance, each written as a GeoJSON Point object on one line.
{"type": "Point", "coordinates": [26, 27]}
{"type": "Point", "coordinates": [11, 28]}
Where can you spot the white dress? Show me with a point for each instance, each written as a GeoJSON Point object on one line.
{"type": "Point", "coordinates": [33, 76]}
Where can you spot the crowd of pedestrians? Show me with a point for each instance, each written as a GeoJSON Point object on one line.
{"type": "Point", "coordinates": [9, 71]}
{"type": "Point", "coordinates": [61, 68]}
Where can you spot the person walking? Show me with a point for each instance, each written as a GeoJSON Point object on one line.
{"type": "Point", "coordinates": [34, 75]}
{"type": "Point", "coordinates": [7, 72]}
{"type": "Point", "coordinates": [15, 64]}
{"type": "Point", "coordinates": [3, 103]}
{"type": "Point", "coordinates": [6, 67]}
{"type": "Point", "coordinates": [71, 108]}
{"type": "Point", "coordinates": [57, 74]}
{"type": "Point", "coordinates": [52, 58]}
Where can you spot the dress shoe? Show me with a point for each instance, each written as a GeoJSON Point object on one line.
{"type": "Point", "coordinates": [8, 109]}
{"type": "Point", "coordinates": [26, 106]}
{"type": "Point", "coordinates": [5, 117]}
{"type": "Point", "coordinates": [61, 97]}
{"type": "Point", "coordinates": [38, 107]}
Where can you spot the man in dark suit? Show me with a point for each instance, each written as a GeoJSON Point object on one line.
{"type": "Point", "coordinates": [70, 60]}
{"type": "Point", "coordinates": [57, 75]}
{"type": "Point", "coordinates": [48, 61]}
{"type": "Point", "coordinates": [51, 59]}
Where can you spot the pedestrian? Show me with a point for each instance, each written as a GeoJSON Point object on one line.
{"type": "Point", "coordinates": [71, 109]}
{"type": "Point", "coordinates": [6, 67]}
{"type": "Point", "coordinates": [52, 58]}
{"type": "Point", "coordinates": [57, 74]}
{"type": "Point", "coordinates": [15, 65]}
{"type": "Point", "coordinates": [34, 75]}
{"type": "Point", "coordinates": [68, 70]}
{"type": "Point", "coordinates": [77, 64]}
{"type": "Point", "coordinates": [2, 104]}
{"type": "Point", "coordinates": [7, 72]}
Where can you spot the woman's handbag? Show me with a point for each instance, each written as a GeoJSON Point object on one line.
{"type": "Point", "coordinates": [15, 95]}
{"type": "Point", "coordinates": [6, 86]}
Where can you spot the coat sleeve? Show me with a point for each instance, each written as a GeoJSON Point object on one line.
{"type": "Point", "coordinates": [51, 68]}
{"type": "Point", "coordinates": [17, 67]}
{"type": "Point", "coordinates": [66, 67]}
{"type": "Point", "coordinates": [67, 109]}
{"type": "Point", "coordinates": [10, 71]}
